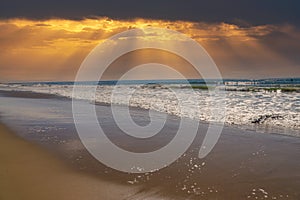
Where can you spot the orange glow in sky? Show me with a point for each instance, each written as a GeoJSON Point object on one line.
{"type": "Point", "coordinates": [54, 49]}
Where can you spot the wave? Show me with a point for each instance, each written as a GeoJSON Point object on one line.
{"type": "Point", "coordinates": [255, 107]}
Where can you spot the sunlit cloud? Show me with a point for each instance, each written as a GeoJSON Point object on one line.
{"type": "Point", "coordinates": [54, 49]}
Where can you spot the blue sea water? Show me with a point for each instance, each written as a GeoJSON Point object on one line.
{"type": "Point", "coordinates": [273, 82]}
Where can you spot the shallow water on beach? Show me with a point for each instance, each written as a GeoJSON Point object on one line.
{"type": "Point", "coordinates": [259, 109]}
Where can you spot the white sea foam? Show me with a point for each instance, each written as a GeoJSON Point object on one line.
{"type": "Point", "coordinates": [259, 108]}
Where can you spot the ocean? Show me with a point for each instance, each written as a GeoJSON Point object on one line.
{"type": "Point", "coordinates": [266, 105]}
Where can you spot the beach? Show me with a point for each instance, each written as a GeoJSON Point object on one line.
{"type": "Point", "coordinates": [30, 172]}
{"type": "Point", "coordinates": [42, 157]}
{"type": "Point", "coordinates": [149, 100]}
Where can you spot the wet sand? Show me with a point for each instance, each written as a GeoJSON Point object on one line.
{"type": "Point", "coordinates": [243, 165]}
{"type": "Point", "coordinates": [29, 172]}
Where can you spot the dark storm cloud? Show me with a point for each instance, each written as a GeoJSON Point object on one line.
{"type": "Point", "coordinates": [242, 12]}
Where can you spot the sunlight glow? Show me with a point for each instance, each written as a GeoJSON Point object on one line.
{"type": "Point", "coordinates": [53, 49]}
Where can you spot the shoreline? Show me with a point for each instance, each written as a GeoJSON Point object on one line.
{"type": "Point", "coordinates": [258, 128]}
{"type": "Point", "coordinates": [241, 162]}
{"type": "Point", "coordinates": [260, 111]}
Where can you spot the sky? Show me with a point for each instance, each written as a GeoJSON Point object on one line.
{"type": "Point", "coordinates": [48, 40]}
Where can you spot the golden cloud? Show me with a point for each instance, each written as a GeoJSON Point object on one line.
{"type": "Point", "coordinates": [53, 49]}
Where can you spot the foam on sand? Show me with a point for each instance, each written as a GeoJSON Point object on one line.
{"type": "Point", "coordinates": [259, 108]}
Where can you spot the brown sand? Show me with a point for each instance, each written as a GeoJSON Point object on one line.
{"type": "Point", "coordinates": [28, 172]}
